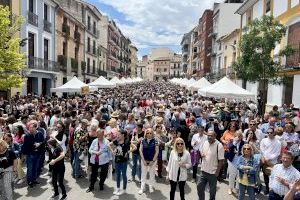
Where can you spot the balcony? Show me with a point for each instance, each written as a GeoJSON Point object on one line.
{"type": "Point", "coordinates": [77, 36]}
{"type": "Point", "coordinates": [102, 73]}
{"type": "Point", "coordinates": [47, 26]}
{"type": "Point", "coordinates": [212, 32]}
{"type": "Point", "coordinates": [62, 62]}
{"type": "Point", "coordinates": [42, 64]}
{"type": "Point", "coordinates": [74, 65]}
{"type": "Point", "coordinates": [33, 19]}
{"type": "Point", "coordinates": [66, 29]}
{"type": "Point", "coordinates": [293, 61]}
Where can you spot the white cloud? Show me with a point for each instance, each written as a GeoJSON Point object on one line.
{"type": "Point", "coordinates": [159, 22]}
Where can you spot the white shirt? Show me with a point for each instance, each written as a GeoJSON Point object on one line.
{"type": "Point", "coordinates": [270, 149]}
{"type": "Point", "coordinates": [173, 165]}
{"type": "Point", "coordinates": [290, 174]}
{"type": "Point", "coordinates": [199, 140]}
{"type": "Point", "coordinates": [62, 143]}
{"type": "Point", "coordinates": [210, 160]}
{"type": "Point", "coordinates": [258, 133]}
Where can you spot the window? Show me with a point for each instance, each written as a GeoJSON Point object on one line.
{"type": "Point", "coordinates": [220, 46]}
{"type": "Point", "coordinates": [94, 27]}
{"type": "Point", "coordinates": [94, 47]}
{"type": "Point", "coordinates": [76, 51]}
{"type": "Point", "coordinates": [46, 12]}
{"type": "Point", "coordinates": [219, 63]}
{"type": "Point", "coordinates": [88, 44]}
{"type": "Point", "coordinates": [30, 44]}
{"type": "Point", "coordinates": [31, 6]}
{"type": "Point", "coordinates": [165, 69]}
{"type": "Point", "coordinates": [64, 48]}
{"type": "Point", "coordinates": [88, 65]}
{"type": "Point", "coordinates": [46, 49]}
{"type": "Point", "coordinates": [225, 47]}
{"type": "Point", "coordinates": [94, 66]}
{"type": "Point", "coordinates": [268, 6]}
{"type": "Point", "coordinates": [225, 61]}
{"type": "Point", "coordinates": [89, 23]}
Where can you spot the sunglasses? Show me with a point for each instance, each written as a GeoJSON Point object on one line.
{"type": "Point", "coordinates": [251, 124]}
{"type": "Point", "coordinates": [179, 144]}
{"type": "Point", "coordinates": [148, 133]}
{"type": "Point", "coordinates": [247, 149]}
{"type": "Point", "coordinates": [270, 132]}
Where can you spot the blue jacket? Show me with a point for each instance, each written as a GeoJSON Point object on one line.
{"type": "Point", "coordinates": [232, 149]}
{"type": "Point", "coordinates": [254, 162]}
{"type": "Point", "coordinates": [105, 155]}
{"type": "Point", "coordinates": [28, 147]}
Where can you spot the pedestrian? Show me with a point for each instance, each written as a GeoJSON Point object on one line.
{"type": "Point", "coordinates": [58, 168]}
{"type": "Point", "coordinates": [179, 163]}
{"type": "Point", "coordinates": [149, 151]}
{"type": "Point", "coordinates": [212, 154]}
{"type": "Point", "coordinates": [248, 166]}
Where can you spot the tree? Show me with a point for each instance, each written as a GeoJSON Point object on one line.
{"type": "Point", "coordinates": [11, 60]}
{"type": "Point", "coordinates": [256, 62]}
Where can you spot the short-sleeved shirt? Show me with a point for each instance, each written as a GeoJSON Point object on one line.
{"type": "Point", "coordinates": [211, 159]}
{"type": "Point", "coordinates": [7, 159]}
{"type": "Point", "coordinates": [140, 137]}
{"type": "Point", "coordinates": [55, 154]}
{"type": "Point", "coordinates": [122, 151]}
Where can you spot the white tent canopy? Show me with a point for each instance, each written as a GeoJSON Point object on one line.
{"type": "Point", "coordinates": [201, 83]}
{"type": "Point", "coordinates": [102, 82]}
{"type": "Point", "coordinates": [73, 85]}
{"type": "Point", "coordinates": [225, 88]}
{"type": "Point", "coordinates": [116, 80]}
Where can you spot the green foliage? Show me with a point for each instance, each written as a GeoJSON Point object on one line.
{"type": "Point", "coordinates": [11, 60]}
{"type": "Point", "coordinates": [258, 41]}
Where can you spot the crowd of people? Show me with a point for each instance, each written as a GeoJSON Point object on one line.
{"type": "Point", "coordinates": [151, 125]}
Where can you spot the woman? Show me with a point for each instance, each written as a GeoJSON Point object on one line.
{"type": "Point", "coordinates": [149, 151]}
{"type": "Point", "coordinates": [90, 138]}
{"type": "Point", "coordinates": [161, 139]}
{"type": "Point", "coordinates": [170, 144]}
{"type": "Point", "coordinates": [8, 166]}
{"type": "Point", "coordinates": [60, 135]}
{"type": "Point", "coordinates": [252, 140]}
{"type": "Point", "coordinates": [100, 158]}
{"type": "Point", "coordinates": [234, 151]}
{"type": "Point", "coordinates": [193, 130]}
{"type": "Point", "coordinates": [136, 158]}
{"type": "Point", "coordinates": [248, 165]}
{"type": "Point", "coordinates": [120, 148]}
{"type": "Point", "coordinates": [58, 168]}
{"type": "Point", "coordinates": [130, 123]}
{"type": "Point", "coordinates": [290, 136]}
{"type": "Point", "coordinates": [179, 162]}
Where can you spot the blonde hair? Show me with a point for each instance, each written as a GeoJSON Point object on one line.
{"type": "Point", "coordinates": [3, 143]}
{"type": "Point", "coordinates": [94, 127]}
{"type": "Point", "coordinates": [239, 134]}
{"type": "Point", "coordinates": [247, 145]}
{"type": "Point", "coordinates": [179, 140]}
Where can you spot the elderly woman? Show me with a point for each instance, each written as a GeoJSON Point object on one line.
{"type": "Point", "coordinates": [100, 158]}
{"type": "Point", "coordinates": [290, 136]}
{"type": "Point", "coordinates": [149, 149]}
{"type": "Point", "coordinates": [8, 166]}
{"type": "Point", "coordinates": [248, 165]}
{"type": "Point", "coordinates": [179, 162]}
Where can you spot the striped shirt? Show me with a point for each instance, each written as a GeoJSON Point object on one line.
{"type": "Point", "coordinates": [290, 174]}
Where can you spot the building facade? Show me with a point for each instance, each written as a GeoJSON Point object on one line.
{"type": "Point", "coordinates": [185, 49]}
{"type": "Point", "coordinates": [143, 69]}
{"type": "Point", "coordinates": [113, 49]}
{"type": "Point", "coordinates": [70, 35]}
{"type": "Point", "coordinates": [176, 69]}
{"type": "Point", "coordinates": [133, 60]}
{"type": "Point", "coordinates": [288, 13]}
{"type": "Point", "coordinates": [39, 30]}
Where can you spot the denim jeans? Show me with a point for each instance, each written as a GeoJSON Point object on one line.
{"type": "Point", "coordinates": [205, 178]}
{"type": "Point", "coordinates": [76, 164]}
{"type": "Point", "coordinates": [136, 165]}
{"type": "Point", "coordinates": [32, 162]}
{"type": "Point", "coordinates": [121, 168]}
{"type": "Point", "coordinates": [250, 191]}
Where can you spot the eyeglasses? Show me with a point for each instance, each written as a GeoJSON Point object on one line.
{"type": "Point", "coordinates": [179, 144]}
{"type": "Point", "coordinates": [148, 133]}
{"type": "Point", "coordinates": [247, 149]}
{"type": "Point", "coordinates": [270, 132]}
{"type": "Point", "coordinates": [251, 124]}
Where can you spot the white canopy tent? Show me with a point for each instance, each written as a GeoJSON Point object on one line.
{"type": "Point", "coordinates": [201, 83]}
{"type": "Point", "coordinates": [225, 88]}
{"type": "Point", "coordinates": [73, 85]}
{"type": "Point", "coordinates": [139, 79]}
{"type": "Point", "coordinates": [102, 82]}
{"type": "Point", "coordinates": [116, 80]}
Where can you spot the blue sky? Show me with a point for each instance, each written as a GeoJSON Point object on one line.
{"type": "Point", "coordinates": [154, 23]}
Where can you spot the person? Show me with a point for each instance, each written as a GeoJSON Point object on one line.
{"type": "Point", "coordinates": [253, 127]}
{"type": "Point", "coordinates": [234, 152]}
{"type": "Point", "coordinates": [100, 158]}
{"type": "Point", "coordinates": [270, 149]}
{"type": "Point", "coordinates": [58, 168]}
{"type": "Point", "coordinates": [149, 152]}
{"type": "Point", "coordinates": [293, 192]}
{"type": "Point", "coordinates": [197, 142]}
{"type": "Point", "coordinates": [161, 138]}
{"type": "Point", "coordinates": [282, 177]}
{"type": "Point", "coordinates": [290, 136]}
{"type": "Point", "coordinates": [248, 165]}
{"type": "Point", "coordinates": [212, 154]}
{"type": "Point", "coordinates": [8, 167]}
{"type": "Point", "coordinates": [120, 148]}
{"type": "Point", "coordinates": [179, 163]}
{"type": "Point", "coordinates": [136, 158]}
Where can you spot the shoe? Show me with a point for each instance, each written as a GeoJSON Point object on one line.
{"type": "Point", "coordinates": [89, 190]}
{"type": "Point", "coordinates": [117, 192]}
{"type": "Point", "coordinates": [35, 183]}
{"type": "Point", "coordinates": [141, 191]}
{"type": "Point", "coordinates": [54, 195]}
{"type": "Point", "coordinates": [31, 185]}
{"type": "Point", "coordinates": [101, 187]}
{"type": "Point", "coordinates": [229, 191]}
{"type": "Point", "coordinates": [151, 189]}
{"type": "Point", "coordinates": [122, 192]}
{"type": "Point", "coordinates": [266, 192]}
{"type": "Point", "coordinates": [64, 196]}
{"type": "Point", "coordinates": [49, 181]}
{"type": "Point", "coordinates": [20, 181]}
{"type": "Point", "coordinates": [160, 176]}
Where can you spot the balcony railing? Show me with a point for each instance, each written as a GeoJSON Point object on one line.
{"type": "Point", "coordinates": [293, 61]}
{"type": "Point", "coordinates": [47, 26]}
{"type": "Point", "coordinates": [62, 62]}
{"type": "Point", "coordinates": [77, 36]}
{"type": "Point", "coordinates": [74, 65]}
{"type": "Point", "coordinates": [102, 73]}
{"type": "Point", "coordinates": [66, 29]}
{"type": "Point", "coordinates": [42, 64]}
{"type": "Point", "coordinates": [33, 18]}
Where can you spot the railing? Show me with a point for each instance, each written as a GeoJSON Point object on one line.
{"type": "Point", "coordinates": [102, 73]}
{"type": "Point", "coordinates": [293, 61]}
{"type": "Point", "coordinates": [42, 64]}
{"type": "Point", "coordinates": [74, 65]}
{"type": "Point", "coordinates": [62, 62]}
{"type": "Point", "coordinates": [65, 29]}
{"type": "Point", "coordinates": [47, 26]}
{"type": "Point", "coordinates": [77, 36]}
{"type": "Point", "coordinates": [33, 18]}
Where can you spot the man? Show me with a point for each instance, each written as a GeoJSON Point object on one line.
{"type": "Point", "coordinates": [33, 141]}
{"type": "Point", "coordinates": [212, 154]}
{"type": "Point", "coordinates": [175, 122]}
{"type": "Point", "coordinates": [271, 123]}
{"type": "Point", "coordinates": [282, 177]}
{"type": "Point", "coordinates": [216, 125]}
{"type": "Point", "coordinates": [270, 149]}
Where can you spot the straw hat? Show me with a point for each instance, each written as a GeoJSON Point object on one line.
{"type": "Point", "coordinates": [148, 114]}
{"type": "Point", "coordinates": [115, 115]}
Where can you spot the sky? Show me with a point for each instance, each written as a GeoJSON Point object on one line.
{"type": "Point", "coordinates": [154, 23]}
